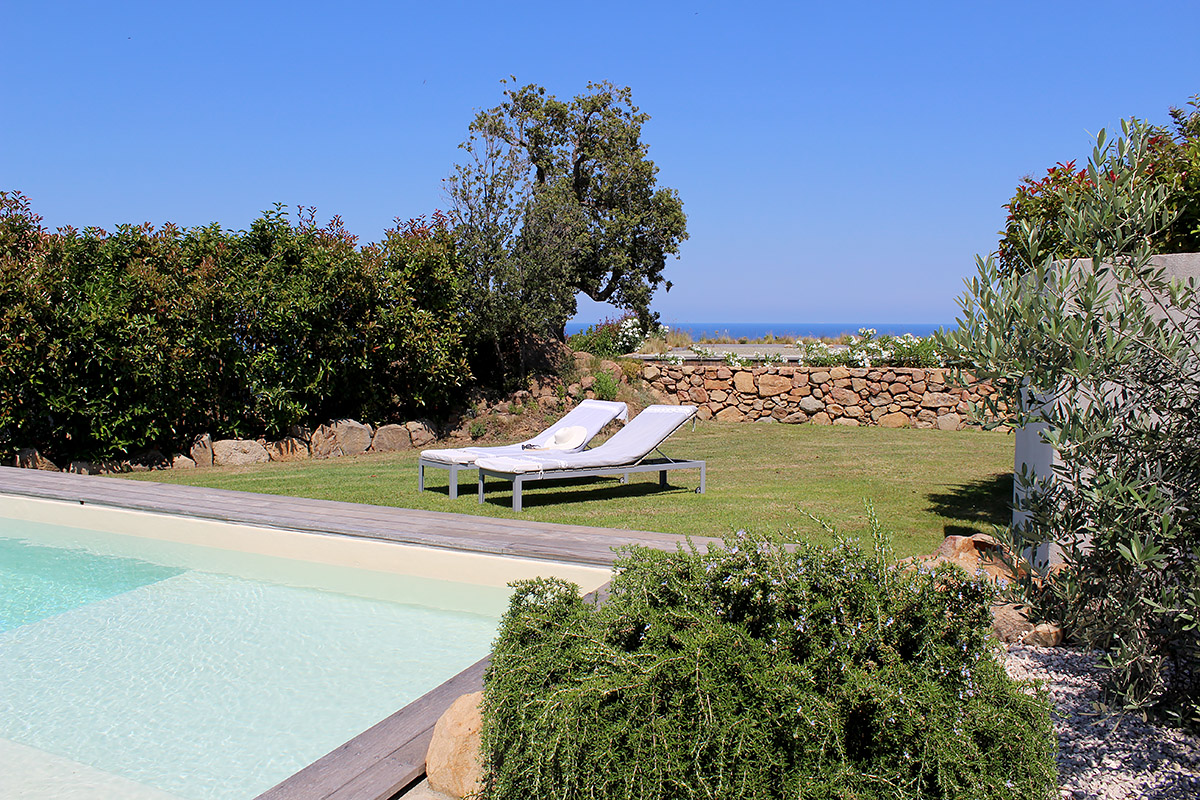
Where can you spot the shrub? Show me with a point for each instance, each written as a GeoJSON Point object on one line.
{"type": "Point", "coordinates": [1103, 355]}
{"type": "Point", "coordinates": [615, 337]}
{"type": "Point", "coordinates": [756, 671]}
{"type": "Point", "coordinates": [144, 337]}
{"type": "Point", "coordinates": [868, 350]}
{"type": "Point", "coordinates": [606, 386]}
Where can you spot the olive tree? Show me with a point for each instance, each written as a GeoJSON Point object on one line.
{"type": "Point", "coordinates": [1094, 339]}
{"type": "Point", "coordinates": [555, 198]}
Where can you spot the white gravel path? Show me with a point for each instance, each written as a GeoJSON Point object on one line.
{"type": "Point", "coordinates": [1103, 756]}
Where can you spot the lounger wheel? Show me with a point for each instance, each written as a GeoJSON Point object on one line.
{"type": "Point", "coordinates": [696, 490]}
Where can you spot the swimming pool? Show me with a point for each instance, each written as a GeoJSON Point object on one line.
{"type": "Point", "coordinates": [148, 664]}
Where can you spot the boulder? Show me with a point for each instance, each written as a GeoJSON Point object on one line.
{"type": "Point", "coordinates": [148, 460]}
{"type": "Point", "coordinates": [390, 438]}
{"type": "Point", "coordinates": [811, 405]}
{"type": "Point", "coordinates": [770, 385]}
{"type": "Point", "coordinates": [743, 381]}
{"type": "Point", "coordinates": [453, 762]}
{"type": "Point", "coordinates": [1009, 622]}
{"type": "Point", "coordinates": [31, 458]}
{"type": "Point", "coordinates": [238, 452]}
{"type": "Point", "coordinates": [421, 432]}
{"type": "Point", "coordinates": [290, 448]}
{"type": "Point", "coordinates": [938, 400]}
{"type": "Point", "coordinates": [949, 422]}
{"type": "Point", "coordinates": [202, 451]}
{"type": "Point", "coordinates": [181, 461]}
{"type": "Point", "coordinates": [1044, 635]}
{"type": "Point", "coordinates": [342, 437]}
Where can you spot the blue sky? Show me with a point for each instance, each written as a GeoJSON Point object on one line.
{"type": "Point", "coordinates": [837, 162]}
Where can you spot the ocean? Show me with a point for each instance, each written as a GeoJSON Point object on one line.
{"type": "Point", "coordinates": [788, 330]}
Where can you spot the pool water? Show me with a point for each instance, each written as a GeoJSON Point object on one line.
{"type": "Point", "coordinates": [182, 682]}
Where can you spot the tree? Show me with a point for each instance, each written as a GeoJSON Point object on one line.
{"type": "Point", "coordinates": [1105, 349]}
{"type": "Point", "coordinates": [556, 198]}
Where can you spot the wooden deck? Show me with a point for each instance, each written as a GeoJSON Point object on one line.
{"type": "Point", "coordinates": [389, 757]}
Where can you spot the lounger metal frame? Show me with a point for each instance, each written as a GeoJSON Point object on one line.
{"type": "Point", "coordinates": [659, 465]}
{"type": "Point", "coordinates": [454, 469]}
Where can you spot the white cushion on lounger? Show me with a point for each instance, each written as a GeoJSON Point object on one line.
{"type": "Point", "coordinates": [589, 417]}
{"type": "Point", "coordinates": [629, 445]}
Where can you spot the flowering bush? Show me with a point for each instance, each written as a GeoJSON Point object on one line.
{"type": "Point", "coordinates": [756, 670]}
{"type": "Point", "coordinates": [865, 350]}
{"type": "Point", "coordinates": [615, 337]}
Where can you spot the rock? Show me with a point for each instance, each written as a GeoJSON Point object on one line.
{"type": "Point", "coordinates": [342, 437]}
{"type": "Point", "coordinates": [718, 396]}
{"type": "Point", "coordinates": [724, 373]}
{"type": "Point", "coordinates": [149, 460]}
{"type": "Point", "coordinates": [422, 791]}
{"type": "Point", "coordinates": [1009, 622]}
{"type": "Point", "coordinates": [290, 448]}
{"type": "Point", "coordinates": [938, 400]}
{"type": "Point", "coordinates": [698, 395]}
{"type": "Point", "coordinates": [453, 763]}
{"type": "Point", "coordinates": [704, 412]}
{"type": "Point", "coordinates": [795, 418]}
{"type": "Point", "coordinates": [1045, 634]}
{"type": "Point", "coordinates": [202, 451]}
{"type": "Point", "coordinates": [895, 420]}
{"type": "Point", "coordinates": [421, 432]}
{"type": "Point", "coordinates": [31, 458]}
{"type": "Point", "coordinates": [771, 385]}
{"type": "Point", "coordinates": [180, 461]}
{"type": "Point", "coordinates": [820, 418]}
{"type": "Point", "coordinates": [811, 405]}
{"type": "Point", "coordinates": [743, 381]}
{"type": "Point", "coordinates": [849, 422]}
{"type": "Point", "coordinates": [949, 422]}
{"type": "Point", "coordinates": [650, 372]}
{"type": "Point", "coordinates": [587, 381]}
{"type": "Point", "coordinates": [88, 468]}
{"type": "Point", "coordinates": [612, 368]}
{"type": "Point", "coordinates": [730, 414]}
{"type": "Point", "coordinates": [819, 378]}
{"type": "Point", "coordinates": [845, 397]}
{"type": "Point", "coordinates": [390, 438]}
{"type": "Point", "coordinates": [238, 452]}
{"type": "Point", "coordinates": [838, 373]}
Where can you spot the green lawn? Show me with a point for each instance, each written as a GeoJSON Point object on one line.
{"type": "Point", "coordinates": [924, 484]}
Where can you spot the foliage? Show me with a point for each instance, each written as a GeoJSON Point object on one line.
{"type": "Point", "coordinates": [144, 337]}
{"type": "Point", "coordinates": [614, 337]}
{"type": "Point", "coordinates": [606, 386]}
{"type": "Point", "coordinates": [758, 671]}
{"type": "Point", "coordinates": [556, 198]}
{"type": "Point", "coordinates": [1107, 357]}
{"type": "Point", "coordinates": [1171, 162]}
{"type": "Point", "coordinates": [868, 350]}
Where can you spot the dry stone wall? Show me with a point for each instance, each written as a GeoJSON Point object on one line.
{"type": "Point", "coordinates": [890, 397]}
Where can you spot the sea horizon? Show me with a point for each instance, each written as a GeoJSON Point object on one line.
{"type": "Point", "coordinates": [786, 330]}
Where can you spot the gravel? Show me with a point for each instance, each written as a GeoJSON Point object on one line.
{"type": "Point", "coordinates": [1100, 756]}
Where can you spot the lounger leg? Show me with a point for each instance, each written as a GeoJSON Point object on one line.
{"type": "Point", "coordinates": [420, 477]}
{"type": "Point", "coordinates": [662, 479]}
{"type": "Point", "coordinates": [481, 487]}
{"type": "Point", "coordinates": [454, 482]}
{"type": "Point", "coordinates": [516, 494]}
{"type": "Point", "coordinates": [702, 470]}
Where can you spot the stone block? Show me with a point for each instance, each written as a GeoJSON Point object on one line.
{"type": "Point", "coordinates": [820, 418]}
{"type": "Point", "coordinates": [838, 373]}
{"type": "Point", "coordinates": [650, 372]}
{"type": "Point", "coordinates": [819, 377]}
{"type": "Point", "coordinates": [697, 395]}
{"type": "Point", "coordinates": [949, 422]}
{"type": "Point", "coordinates": [238, 452]}
{"type": "Point", "coordinates": [771, 385]}
{"type": "Point", "coordinates": [718, 396]}
{"type": "Point", "coordinates": [848, 422]}
{"type": "Point", "coordinates": [938, 400]}
{"type": "Point", "coordinates": [202, 451]}
{"type": "Point", "coordinates": [845, 397]}
{"type": "Point", "coordinates": [811, 405]}
{"type": "Point", "coordinates": [895, 420]}
{"type": "Point", "coordinates": [453, 762]}
{"type": "Point", "coordinates": [730, 414]}
{"type": "Point", "coordinates": [743, 381]}
{"type": "Point", "coordinates": [289, 448]}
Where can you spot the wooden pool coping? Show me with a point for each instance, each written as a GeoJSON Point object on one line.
{"type": "Point", "coordinates": [388, 757]}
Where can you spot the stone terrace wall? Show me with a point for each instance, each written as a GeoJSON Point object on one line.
{"type": "Point", "coordinates": [891, 397]}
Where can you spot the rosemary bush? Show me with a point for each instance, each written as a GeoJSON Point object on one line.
{"type": "Point", "coordinates": [757, 671]}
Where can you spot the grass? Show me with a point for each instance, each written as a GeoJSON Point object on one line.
{"type": "Point", "coordinates": [924, 484]}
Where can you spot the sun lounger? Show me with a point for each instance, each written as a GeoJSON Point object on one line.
{"type": "Point", "coordinates": [626, 452]}
{"type": "Point", "coordinates": [569, 434]}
